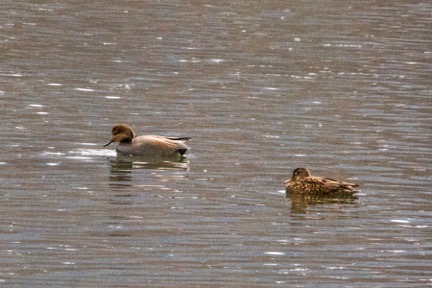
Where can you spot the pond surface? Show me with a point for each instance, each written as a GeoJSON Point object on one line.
{"type": "Point", "coordinates": [342, 88]}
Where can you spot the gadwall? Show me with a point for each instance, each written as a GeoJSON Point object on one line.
{"type": "Point", "coordinates": [146, 145]}
{"type": "Point", "coordinates": [302, 183]}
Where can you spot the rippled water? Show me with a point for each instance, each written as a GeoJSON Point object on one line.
{"type": "Point", "coordinates": [342, 88]}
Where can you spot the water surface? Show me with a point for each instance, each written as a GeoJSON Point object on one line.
{"type": "Point", "coordinates": [341, 88]}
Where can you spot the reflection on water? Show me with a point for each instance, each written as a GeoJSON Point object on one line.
{"type": "Point", "coordinates": [301, 203]}
{"type": "Point", "coordinates": [122, 165]}
{"type": "Point", "coordinates": [127, 162]}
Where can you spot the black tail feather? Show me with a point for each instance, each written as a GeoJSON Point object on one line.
{"type": "Point", "coordinates": [179, 138]}
{"type": "Point", "coordinates": [182, 151]}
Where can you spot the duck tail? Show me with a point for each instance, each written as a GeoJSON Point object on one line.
{"type": "Point", "coordinates": [179, 138]}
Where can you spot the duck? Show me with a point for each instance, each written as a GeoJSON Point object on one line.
{"type": "Point", "coordinates": [302, 183]}
{"type": "Point", "coordinates": [146, 145]}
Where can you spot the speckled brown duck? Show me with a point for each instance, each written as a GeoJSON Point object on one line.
{"type": "Point", "coordinates": [302, 183]}
{"type": "Point", "coordinates": [147, 145]}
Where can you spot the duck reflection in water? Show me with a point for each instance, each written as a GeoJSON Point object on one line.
{"type": "Point", "coordinates": [304, 190]}
{"type": "Point", "coordinates": [123, 165]}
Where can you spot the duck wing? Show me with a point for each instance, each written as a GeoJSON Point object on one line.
{"type": "Point", "coordinates": [150, 142]}
{"type": "Point", "coordinates": [334, 184]}
{"type": "Point", "coordinates": [175, 144]}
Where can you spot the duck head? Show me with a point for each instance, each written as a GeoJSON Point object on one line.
{"type": "Point", "coordinates": [121, 133]}
{"type": "Point", "coordinates": [300, 174]}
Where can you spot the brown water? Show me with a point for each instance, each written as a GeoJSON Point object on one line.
{"type": "Point", "coordinates": [343, 88]}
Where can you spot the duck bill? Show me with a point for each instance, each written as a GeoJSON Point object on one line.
{"type": "Point", "coordinates": [111, 141]}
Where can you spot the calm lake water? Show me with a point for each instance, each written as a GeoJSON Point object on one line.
{"type": "Point", "coordinates": [343, 88]}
